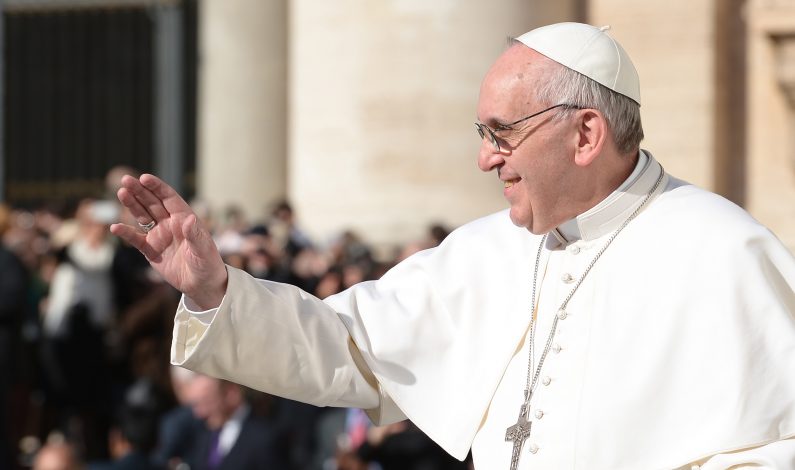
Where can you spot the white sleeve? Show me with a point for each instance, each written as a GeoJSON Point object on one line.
{"type": "Point", "coordinates": [275, 338]}
{"type": "Point", "coordinates": [204, 316]}
{"type": "Point", "coordinates": [778, 455]}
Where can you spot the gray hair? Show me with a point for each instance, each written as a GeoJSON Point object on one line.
{"type": "Point", "coordinates": [622, 113]}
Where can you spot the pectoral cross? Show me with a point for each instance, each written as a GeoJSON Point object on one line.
{"type": "Point", "coordinates": [518, 433]}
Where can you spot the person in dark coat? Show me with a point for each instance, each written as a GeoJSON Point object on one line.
{"type": "Point", "coordinates": [233, 437]}
{"type": "Point", "coordinates": [135, 434]}
{"type": "Point", "coordinates": [13, 301]}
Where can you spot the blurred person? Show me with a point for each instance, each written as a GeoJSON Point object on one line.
{"type": "Point", "coordinates": [287, 235]}
{"type": "Point", "coordinates": [329, 284]}
{"type": "Point", "coordinates": [264, 259]}
{"type": "Point", "coordinates": [14, 288]}
{"type": "Point", "coordinates": [113, 180]}
{"type": "Point", "coordinates": [78, 315]}
{"type": "Point", "coordinates": [349, 248]}
{"type": "Point", "coordinates": [328, 432]}
{"type": "Point", "coordinates": [233, 437]}
{"type": "Point", "coordinates": [613, 317]}
{"type": "Point", "coordinates": [307, 268]}
{"type": "Point", "coordinates": [354, 273]}
{"type": "Point", "coordinates": [204, 212]}
{"type": "Point", "coordinates": [229, 237]}
{"type": "Point", "coordinates": [134, 435]}
{"type": "Point", "coordinates": [57, 456]}
{"type": "Point", "coordinates": [179, 428]}
{"type": "Point", "coordinates": [84, 276]}
{"type": "Point", "coordinates": [351, 438]}
{"type": "Point", "coordinates": [295, 423]}
{"type": "Point", "coordinates": [25, 238]}
{"type": "Point", "coordinates": [402, 446]}
{"type": "Point", "coordinates": [437, 233]}
{"type": "Point", "coordinates": [140, 342]}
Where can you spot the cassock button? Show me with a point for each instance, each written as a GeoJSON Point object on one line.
{"type": "Point", "coordinates": [546, 380]}
{"type": "Point", "coordinates": [567, 278]}
{"type": "Point", "coordinates": [556, 348]}
{"type": "Point", "coordinates": [562, 314]}
{"type": "Point", "coordinates": [539, 414]}
{"type": "Point", "coordinates": [533, 448]}
{"type": "Point", "coordinates": [574, 249]}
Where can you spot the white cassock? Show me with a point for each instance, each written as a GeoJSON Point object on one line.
{"type": "Point", "coordinates": [677, 350]}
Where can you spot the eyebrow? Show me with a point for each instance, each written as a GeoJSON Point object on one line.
{"type": "Point", "coordinates": [494, 123]}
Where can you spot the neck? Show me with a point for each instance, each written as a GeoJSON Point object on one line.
{"type": "Point", "coordinates": [623, 167]}
{"type": "Point", "coordinates": [597, 183]}
{"type": "Point", "coordinates": [613, 208]}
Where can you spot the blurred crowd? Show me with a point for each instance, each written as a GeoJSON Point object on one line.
{"type": "Point", "coordinates": [85, 333]}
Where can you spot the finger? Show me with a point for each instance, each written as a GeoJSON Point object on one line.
{"type": "Point", "coordinates": [134, 237]}
{"type": "Point", "coordinates": [142, 216]}
{"type": "Point", "coordinates": [171, 200]}
{"type": "Point", "coordinates": [151, 203]}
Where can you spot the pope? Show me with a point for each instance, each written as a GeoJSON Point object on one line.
{"type": "Point", "coordinates": [614, 317]}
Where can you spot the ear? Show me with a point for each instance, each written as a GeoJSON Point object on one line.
{"type": "Point", "coordinates": [591, 136]}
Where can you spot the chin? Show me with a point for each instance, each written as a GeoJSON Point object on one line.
{"type": "Point", "coordinates": [526, 221]}
{"type": "Point", "coordinates": [521, 220]}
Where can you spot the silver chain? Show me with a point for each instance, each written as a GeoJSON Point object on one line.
{"type": "Point", "coordinates": [532, 378]}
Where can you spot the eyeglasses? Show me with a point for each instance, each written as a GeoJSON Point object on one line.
{"type": "Point", "coordinates": [484, 130]}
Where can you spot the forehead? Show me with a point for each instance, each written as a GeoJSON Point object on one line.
{"type": "Point", "coordinates": [203, 388]}
{"type": "Point", "coordinates": [509, 86]}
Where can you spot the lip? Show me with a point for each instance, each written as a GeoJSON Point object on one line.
{"type": "Point", "coordinates": [509, 184]}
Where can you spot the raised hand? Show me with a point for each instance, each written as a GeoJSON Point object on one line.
{"type": "Point", "coordinates": [176, 245]}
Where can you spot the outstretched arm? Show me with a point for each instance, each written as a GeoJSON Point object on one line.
{"type": "Point", "coordinates": [178, 246]}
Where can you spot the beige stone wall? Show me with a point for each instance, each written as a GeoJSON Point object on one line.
{"type": "Point", "coordinates": [242, 127]}
{"type": "Point", "coordinates": [672, 44]}
{"type": "Point", "coordinates": [382, 105]}
{"type": "Point", "coordinates": [716, 115]}
{"type": "Point", "coordinates": [771, 116]}
{"type": "Point", "coordinates": [364, 116]}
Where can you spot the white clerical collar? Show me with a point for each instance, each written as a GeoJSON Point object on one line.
{"type": "Point", "coordinates": [606, 216]}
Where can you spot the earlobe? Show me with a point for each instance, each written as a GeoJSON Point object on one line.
{"type": "Point", "coordinates": [591, 136]}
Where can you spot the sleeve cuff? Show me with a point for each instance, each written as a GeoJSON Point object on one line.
{"type": "Point", "coordinates": [204, 316]}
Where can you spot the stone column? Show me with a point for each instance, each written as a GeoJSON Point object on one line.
{"type": "Point", "coordinates": [673, 48]}
{"type": "Point", "coordinates": [771, 117]}
{"type": "Point", "coordinates": [383, 98]}
{"type": "Point", "coordinates": [242, 103]}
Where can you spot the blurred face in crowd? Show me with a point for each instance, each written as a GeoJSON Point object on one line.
{"type": "Point", "coordinates": [535, 160]}
{"type": "Point", "coordinates": [55, 457]}
{"type": "Point", "coordinates": [213, 400]}
{"type": "Point", "coordinates": [95, 217]}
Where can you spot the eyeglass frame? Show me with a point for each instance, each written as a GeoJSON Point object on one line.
{"type": "Point", "coordinates": [493, 137]}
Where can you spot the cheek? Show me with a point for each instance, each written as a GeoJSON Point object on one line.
{"type": "Point", "coordinates": [544, 179]}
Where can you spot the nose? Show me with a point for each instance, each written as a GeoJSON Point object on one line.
{"type": "Point", "coordinates": [489, 158]}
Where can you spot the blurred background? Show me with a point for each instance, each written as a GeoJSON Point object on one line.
{"type": "Point", "coordinates": [321, 141]}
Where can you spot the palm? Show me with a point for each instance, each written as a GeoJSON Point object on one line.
{"type": "Point", "coordinates": [177, 247]}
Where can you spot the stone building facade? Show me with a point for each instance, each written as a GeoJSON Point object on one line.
{"type": "Point", "coordinates": [360, 113]}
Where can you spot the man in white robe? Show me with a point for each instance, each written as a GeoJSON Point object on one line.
{"type": "Point", "coordinates": [663, 316]}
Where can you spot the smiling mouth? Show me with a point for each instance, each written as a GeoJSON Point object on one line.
{"type": "Point", "coordinates": [510, 183]}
